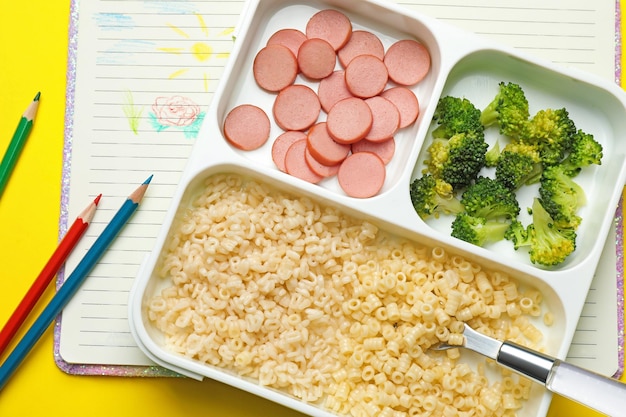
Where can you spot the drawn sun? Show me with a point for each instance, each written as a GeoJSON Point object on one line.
{"type": "Point", "coordinates": [201, 51]}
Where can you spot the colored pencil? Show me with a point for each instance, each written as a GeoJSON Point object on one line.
{"type": "Point", "coordinates": [72, 284]}
{"type": "Point", "coordinates": [49, 271]}
{"type": "Point", "coordinates": [17, 142]}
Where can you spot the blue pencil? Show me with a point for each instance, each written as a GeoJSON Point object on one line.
{"type": "Point", "coordinates": [71, 285]}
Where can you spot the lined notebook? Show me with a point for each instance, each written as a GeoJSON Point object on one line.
{"type": "Point", "coordinates": [134, 66]}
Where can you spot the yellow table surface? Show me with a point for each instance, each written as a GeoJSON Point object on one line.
{"type": "Point", "coordinates": [33, 56]}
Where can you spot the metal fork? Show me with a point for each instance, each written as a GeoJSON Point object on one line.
{"type": "Point", "coordinates": [588, 388]}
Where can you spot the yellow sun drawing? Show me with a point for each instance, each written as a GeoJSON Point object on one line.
{"type": "Point", "coordinates": [201, 51]}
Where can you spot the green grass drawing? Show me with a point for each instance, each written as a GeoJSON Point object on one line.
{"type": "Point", "coordinates": [132, 112]}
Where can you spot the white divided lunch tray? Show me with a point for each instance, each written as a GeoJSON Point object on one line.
{"type": "Point", "coordinates": [201, 330]}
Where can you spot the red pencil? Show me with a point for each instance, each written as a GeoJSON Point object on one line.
{"type": "Point", "coordinates": [58, 258]}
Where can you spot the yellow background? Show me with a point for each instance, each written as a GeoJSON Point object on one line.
{"type": "Point", "coordinates": [33, 56]}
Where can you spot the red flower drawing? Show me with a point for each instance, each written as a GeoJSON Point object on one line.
{"type": "Point", "coordinates": [175, 111]}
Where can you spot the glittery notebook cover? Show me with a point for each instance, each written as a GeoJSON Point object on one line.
{"type": "Point", "coordinates": [154, 371]}
{"type": "Point", "coordinates": [619, 214]}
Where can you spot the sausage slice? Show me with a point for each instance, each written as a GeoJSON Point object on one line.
{"type": "Point", "coordinates": [408, 62]}
{"type": "Point", "coordinates": [349, 120]}
{"type": "Point", "coordinates": [330, 25]}
{"type": "Point", "coordinates": [333, 89]}
{"type": "Point", "coordinates": [296, 165]}
{"type": "Point", "coordinates": [296, 107]}
{"type": "Point", "coordinates": [323, 147]}
{"type": "Point", "coordinates": [291, 38]}
{"type": "Point", "coordinates": [384, 150]}
{"type": "Point", "coordinates": [316, 59]}
{"type": "Point", "coordinates": [281, 145]}
{"type": "Point", "coordinates": [366, 76]}
{"type": "Point", "coordinates": [362, 175]}
{"type": "Point", "coordinates": [247, 127]}
{"type": "Point", "coordinates": [386, 119]}
{"type": "Point", "coordinates": [361, 42]}
{"type": "Point", "coordinates": [406, 102]}
{"type": "Point", "coordinates": [275, 67]}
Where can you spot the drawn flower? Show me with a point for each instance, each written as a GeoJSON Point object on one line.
{"type": "Point", "coordinates": [175, 111]}
{"type": "Point", "coordinates": [178, 112]}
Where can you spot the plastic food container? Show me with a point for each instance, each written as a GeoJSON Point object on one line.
{"type": "Point", "coordinates": [462, 65]}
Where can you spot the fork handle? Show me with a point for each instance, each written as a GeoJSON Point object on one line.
{"type": "Point", "coordinates": [601, 393]}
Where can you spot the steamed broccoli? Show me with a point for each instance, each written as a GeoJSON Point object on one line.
{"type": "Point", "coordinates": [518, 234]}
{"type": "Point", "coordinates": [465, 177]}
{"type": "Point", "coordinates": [552, 131]}
{"type": "Point", "coordinates": [456, 115]}
{"type": "Point", "coordinates": [431, 196]}
{"type": "Point", "coordinates": [490, 199]}
{"type": "Point", "coordinates": [457, 160]}
{"type": "Point", "coordinates": [508, 110]}
{"type": "Point", "coordinates": [585, 151]}
{"type": "Point", "coordinates": [561, 197]}
{"type": "Point", "coordinates": [518, 165]}
{"type": "Point", "coordinates": [492, 155]}
{"type": "Point", "coordinates": [549, 244]}
{"type": "Point", "coordinates": [478, 230]}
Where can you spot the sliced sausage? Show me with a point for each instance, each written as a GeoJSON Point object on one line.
{"type": "Point", "coordinates": [330, 25]}
{"type": "Point", "coordinates": [316, 59]}
{"type": "Point", "coordinates": [362, 175]}
{"type": "Point", "coordinates": [291, 38]}
{"type": "Point", "coordinates": [366, 76]}
{"type": "Point", "coordinates": [332, 89]}
{"type": "Point", "coordinates": [323, 147]}
{"type": "Point", "coordinates": [386, 119]}
{"type": "Point", "coordinates": [408, 62]}
{"type": "Point", "coordinates": [384, 150]}
{"type": "Point", "coordinates": [281, 145]}
{"type": "Point", "coordinates": [349, 120]}
{"type": "Point", "coordinates": [406, 102]}
{"type": "Point", "coordinates": [361, 42]}
{"type": "Point", "coordinates": [320, 169]}
{"type": "Point", "coordinates": [296, 107]}
{"type": "Point", "coordinates": [296, 165]}
{"type": "Point", "coordinates": [275, 67]}
{"type": "Point", "coordinates": [247, 127]}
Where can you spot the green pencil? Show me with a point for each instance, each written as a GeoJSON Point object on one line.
{"type": "Point", "coordinates": [17, 142]}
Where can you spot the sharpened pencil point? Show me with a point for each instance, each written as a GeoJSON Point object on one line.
{"type": "Point", "coordinates": [148, 180]}
{"type": "Point", "coordinates": [37, 96]}
{"type": "Point", "coordinates": [97, 199]}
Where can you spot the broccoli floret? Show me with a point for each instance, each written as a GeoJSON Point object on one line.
{"type": "Point", "coordinates": [492, 155]}
{"type": "Point", "coordinates": [455, 115]}
{"type": "Point", "coordinates": [518, 165]}
{"type": "Point", "coordinates": [561, 197]}
{"type": "Point", "coordinates": [457, 160]}
{"type": "Point", "coordinates": [585, 151]}
{"type": "Point", "coordinates": [431, 196]}
{"type": "Point", "coordinates": [518, 234]}
{"type": "Point", "coordinates": [508, 110]}
{"type": "Point", "coordinates": [552, 131]}
{"type": "Point", "coordinates": [478, 230]}
{"type": "Point", "coordinates": [550, 244]}
{"type": "Point", "coordinates": [490, 199]}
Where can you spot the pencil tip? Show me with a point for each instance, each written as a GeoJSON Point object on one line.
{"type": "Point", "coordinates": [147, 181]}
{"type": "Point", "coordinates": [97, 199]}
{"type": "Point", "coordinates": [37, 96]}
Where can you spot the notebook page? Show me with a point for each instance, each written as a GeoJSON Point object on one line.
{"type": "Point", "coordinates": [577, 33]}
{"type": "Point", "coordinates": [132, 55]}
{"type": "Point", "coordinates": [145, 73]}
{"type": "Point", "coordinates": [595, 344]}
